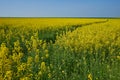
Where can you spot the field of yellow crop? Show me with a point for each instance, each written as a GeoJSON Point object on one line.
{"type": "Point", "coordinates": [59, 49]}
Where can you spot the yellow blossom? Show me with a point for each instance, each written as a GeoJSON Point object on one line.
{"type": "Point", "coordinates": [36, 58]}
{"type": "Point", "coordinates": [43, 67]}
{"type": "Point", "coordinates": [89, 77]}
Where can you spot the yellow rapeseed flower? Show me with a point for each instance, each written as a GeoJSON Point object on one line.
{"type": "Point", "coordinates": [36, 58]}
{"type": "Point", "coordinates": [25, 78]}
{"type": "Point", "coordinates": [43, 67]}
{"type": "Point", "coordinates": [29, 60]}
{"type": "Point", "coordinates": [89, 77]}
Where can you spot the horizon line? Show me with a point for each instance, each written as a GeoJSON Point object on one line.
{"type": "Point", "coordinates": [58, 17]}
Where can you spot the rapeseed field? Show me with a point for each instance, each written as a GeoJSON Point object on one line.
{"type": "Point", "coordinates": [59, 49]}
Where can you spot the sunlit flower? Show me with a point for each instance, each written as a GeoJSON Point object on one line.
{"type": "Point", "coordinates": [89, 77]}
{"type": "Point", "coordinates": [36, 58]}
{"type": "Point", "coordinates": [43, 67]}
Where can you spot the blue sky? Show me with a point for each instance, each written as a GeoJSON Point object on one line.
{"type": "Point", "coordinates": [59, 8]}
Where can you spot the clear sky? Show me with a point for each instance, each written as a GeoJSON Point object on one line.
{"type": "Point", "coordinates": [59, 8]}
